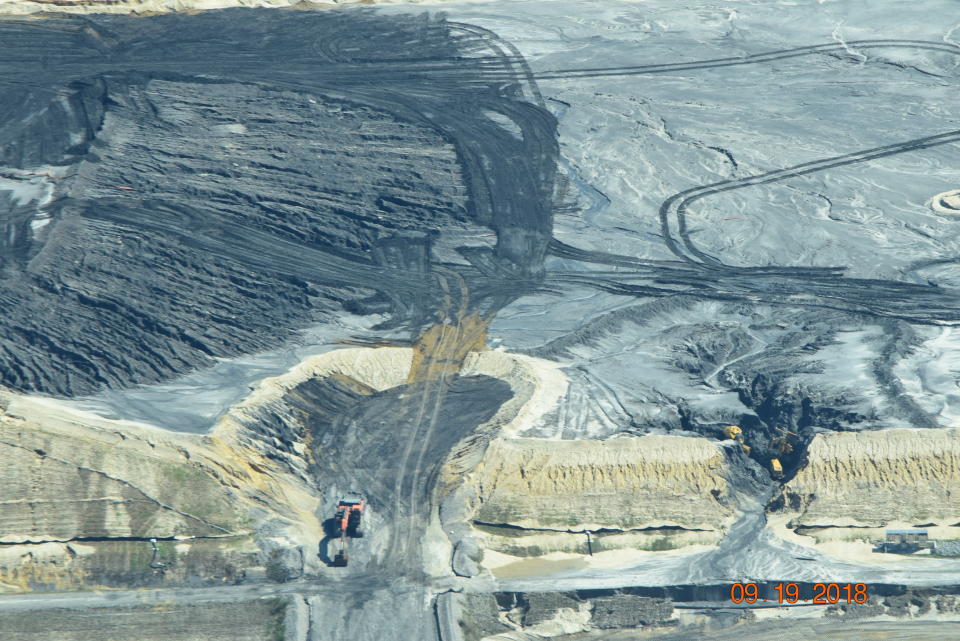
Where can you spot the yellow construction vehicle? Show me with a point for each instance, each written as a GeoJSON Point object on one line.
{"type": "Point", "coordinates": [783, 445]}
{"type": "Point", "coordinates": [776, 468]}
{"type": "Point", "coordinates": [734, 432]}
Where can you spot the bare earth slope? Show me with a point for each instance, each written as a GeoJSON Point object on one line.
{"type": "Point", "coordinates": [865, 479]}
{"type": "Point", "coordinates": [621, 483]}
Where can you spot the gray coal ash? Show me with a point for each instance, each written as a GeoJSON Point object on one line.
{"type": "Point", "coordinates": [213, 195]}
{"type": "Point", "coordinates": [223, 180]}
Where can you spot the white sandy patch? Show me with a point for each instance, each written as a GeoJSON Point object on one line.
{"type": "Point", "coordinates": [845, 544]}
{"type": "Point", "coordinates": [437, 548]}
{"type": "Point", "coordinates": [548, 380]}
{"type": "Point", "coordinates": [931, 375]}
{"type": "Point", "coordinates": [82, 550]}
{"type": "Point", "coordinates": [47, 550]}
{"type": "Point", "coordinates": [506, 566]}
{"type": "Point", "coordinates": [380, 368]}
{"type": "Point", "coordinates": [565, 621]}
{"type": "Point", "coordinates": [947, 202]}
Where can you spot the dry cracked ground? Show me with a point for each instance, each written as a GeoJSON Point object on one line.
{"type": "Point", "coordinates": [507, 271]}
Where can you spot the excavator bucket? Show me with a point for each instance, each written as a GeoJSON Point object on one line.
{"type": "Point", "coordinates": [340, 559]}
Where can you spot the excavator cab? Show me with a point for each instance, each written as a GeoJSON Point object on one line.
{"type": "Point", "coordinates": [348, 517]}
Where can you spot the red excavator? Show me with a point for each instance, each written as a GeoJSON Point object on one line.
{"type": "Point", "coordinates": [346, 523]}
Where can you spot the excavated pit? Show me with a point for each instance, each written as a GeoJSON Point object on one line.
{"type": "Point", "coordinates": [239, 188]}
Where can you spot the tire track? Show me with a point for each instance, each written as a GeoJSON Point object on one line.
{"type": "Point", "coordinates": [709, 277]}
{"type": "Point", "coordinates": [734, 61]}
{"type": "Point", "coordinates": [677, 204]}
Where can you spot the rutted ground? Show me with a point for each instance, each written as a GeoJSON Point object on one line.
{"type": "Point", "coordinates": [245, 502]}
{"type": "Point", "coordinates": [814, 307]}
{"type": "Point", "coordinates": [260, 481]}
{"type": "Point", "coordinates": [204, 204]}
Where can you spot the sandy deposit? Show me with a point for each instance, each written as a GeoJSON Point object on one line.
{"type": "Point", "coordinates": [386, 367]}
{"type": "Point", "coordinates": [538, 542]}
{"type": "Point", "coordinates": [380, 368]}
{"type": "Point", "coordinates": [622, 483]}
{"type": "Point", "coordinates": [506, 566]}
{"type": "Point", "coordinates": [73, 474]}
{"type": "Point", "coordinates": [69, 475]}
{"type": "Point", "coordinates": [537, 386]}
{"type": "Point", "coordinates": [66, 476]}
{"type": "Point", "coordinates": [856, 544]}
{"type": "Point", "coordinates": [871, 479]}
{"type": "Point", "coordinates": [541, 382]}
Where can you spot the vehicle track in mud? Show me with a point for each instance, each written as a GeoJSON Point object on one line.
{"type": "Point", "coordinates": [431, 392]}
{"type": "Point", "coordinates": [388, 446]}
{"type": "Point", "coordinates": [404, 110]}
{"type": "Point", "coordinates": [890, 304]}
{"type": "Point", "coordinates": [514, 200]}
{"type": "Point", "coordinates": [428, 138]}
{"type": "Point", "coordinates": [826, 285]}
{"type": "Point", "coordinates": [733, 61]}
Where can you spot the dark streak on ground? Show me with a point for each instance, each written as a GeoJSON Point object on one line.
{"type": "Point", "coordinates": [355, 439]}
{"type": "Point", "coordinates": [774, 284]}
{"type": "Point", "coordinates": [282, 166]}
{"type": "Point", "coordinates": [222, 192]}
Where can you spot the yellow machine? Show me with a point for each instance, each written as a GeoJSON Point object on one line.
{"type": "Point", "coordinates": [783, 445]}
{"type": "Point", "coordinates": [734, 432]}
{"type": "Point", "coordinates": [776, 468]}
